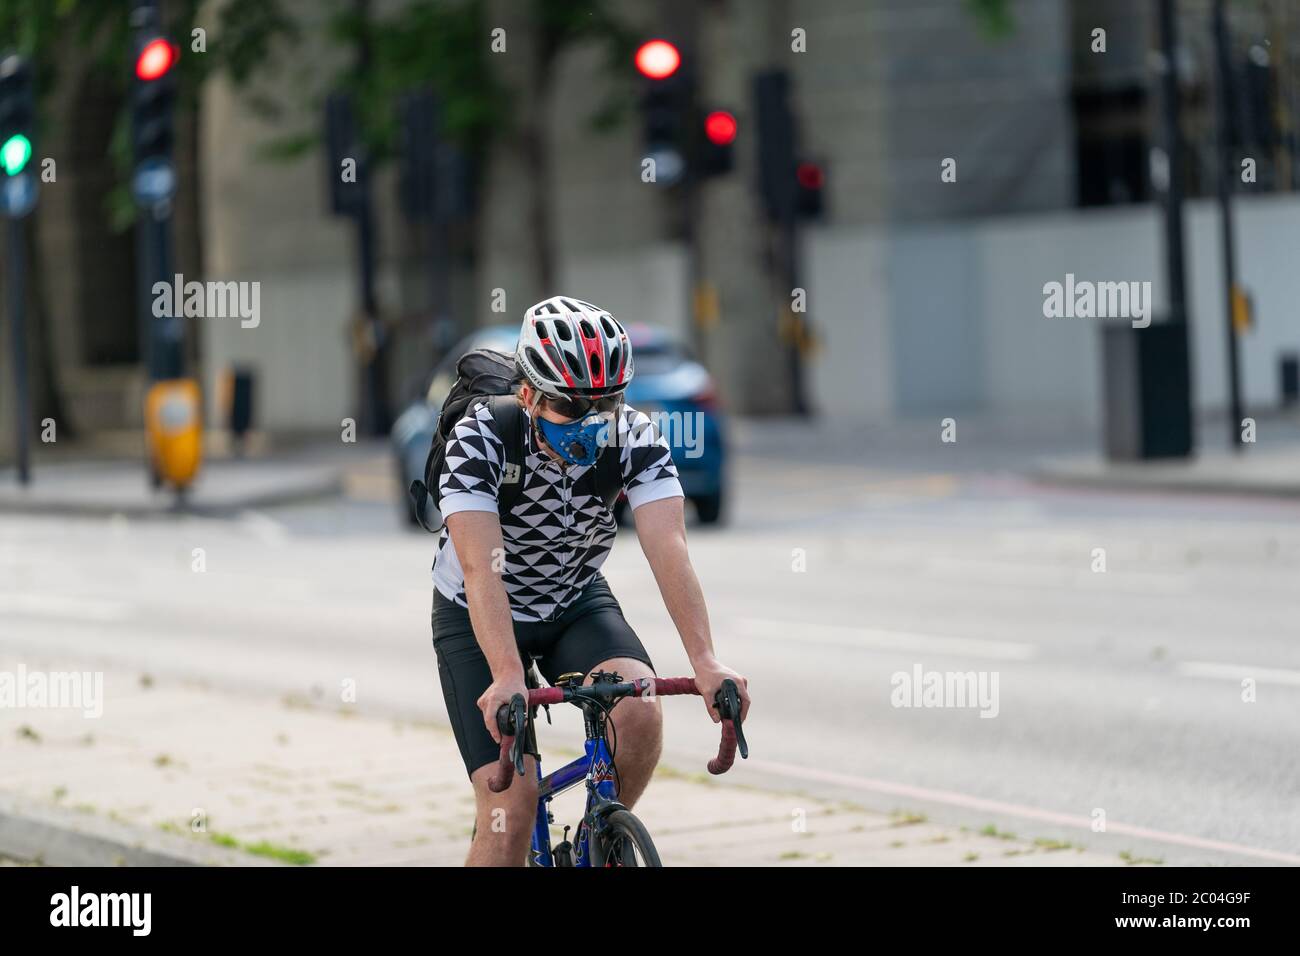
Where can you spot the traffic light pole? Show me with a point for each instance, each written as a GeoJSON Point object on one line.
{"type": "Point", "coordinates": [17, 271]}
{"type": "Point", "coordinates": [1226, 171]}
{"type": "Point", "coordinates": [374, 410]}
{"type": "Point", "coordinates": [1175, 269]}
{"type": "Point", "coordinates": [788, 256]}
{"type": "Point", "coordinates": [161, 337]}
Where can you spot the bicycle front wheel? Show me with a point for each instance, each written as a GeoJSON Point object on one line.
{"type": "Point", "coordinates": [626, 842]}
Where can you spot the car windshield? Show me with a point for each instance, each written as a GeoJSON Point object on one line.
{"type": "Point", "coordinates": [657, 358]}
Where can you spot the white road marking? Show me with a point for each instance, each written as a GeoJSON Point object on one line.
{"type": "Point", "coordinates": [61, 607]}
{"type": "Point", "coordinates": [263, 527]}
{"type": "Point", "coordinates": [971, 802]}
{"type": "Point", "coordinates": [840, 635]}
{"type": "Point", "coordinates": [1239, 672]}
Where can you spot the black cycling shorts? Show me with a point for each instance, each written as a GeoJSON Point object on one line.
{"type": "Point", "coordinates": [590, 630]}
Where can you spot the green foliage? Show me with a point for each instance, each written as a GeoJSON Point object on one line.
{"type": "Point", "coordinates": [993, 17]}
{"type": "Point", "coordinates": [442, 44]}
{"type": "Point", "coordinates": [97, 34]}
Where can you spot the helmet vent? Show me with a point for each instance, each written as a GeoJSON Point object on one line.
{"type": "Point", "coordinates": [587, 331]}
{"type": "Point", "coordinates": [613, 358]}
{"type": "Point", "coordinates": [595, 367]}
{"type": "Point", "coordinates": [553, 354]}
{"type": "Point", "coordinates": [574, 367]}
{"type": "Point", "coordinates": [608, 325]}
{"type": "Point", "coordinates": [550, 307]}
{"type": "Point", "coordinates": [540, 328]}
{"type": "Point", "coordinates": [570, 305]}
{"type": "Point", "coordinates": [536, 362]}
{"type": "Point", "coordinates": [562, 331]}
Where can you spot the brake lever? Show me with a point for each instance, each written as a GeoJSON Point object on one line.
{"type": "Point", "coordinates": [727, 703]}
{"type": "Point", "coordinates": [519, 717]}
{"type": "Point", "coordinates": [512, 721]}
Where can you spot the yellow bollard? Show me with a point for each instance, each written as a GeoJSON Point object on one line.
{"type": "Point", "coordinates": [174, 425]}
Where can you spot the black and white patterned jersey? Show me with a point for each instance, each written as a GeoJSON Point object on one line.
{"type": "Point", "coordinates": [559, 531]}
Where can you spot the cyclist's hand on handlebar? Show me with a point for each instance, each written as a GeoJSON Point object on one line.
{"type": "Point", "coordinates": [497, 695]}
{"type": "Point", "coordinates": [709, 676]}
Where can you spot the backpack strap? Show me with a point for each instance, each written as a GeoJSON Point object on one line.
{"type": "Point", "coordinates": [508, 417]}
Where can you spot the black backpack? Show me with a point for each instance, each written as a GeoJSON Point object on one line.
{"type": "Point", "coordinates": [486, 375]}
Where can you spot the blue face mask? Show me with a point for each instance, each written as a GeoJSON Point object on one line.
{"type": "Point", "coordinates": [577, 442]}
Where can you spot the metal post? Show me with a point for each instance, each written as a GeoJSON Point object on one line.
{"type": "Point", "coordinates": [788, 240]}
{"type": "Point", "coordinates": [1175, 270]}
{"type": "Point", "coordinates": [1226, 171]}
{"type": "Point", "coordinates": [1173, 144]}
{"type": "Point", "coordinates": [17, 269]}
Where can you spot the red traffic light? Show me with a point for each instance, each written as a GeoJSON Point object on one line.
{"type": "Point", "coordinates": [810, 176]}
{"type": "Point", "coordinates": [157, 57]}
{"type": "Point", "coordinates": [720, 128]}
{"type": "Point", "coordinates": [658, 59]}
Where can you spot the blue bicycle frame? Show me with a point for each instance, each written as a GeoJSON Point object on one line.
{"type": "Point", "coordinates": [596, 768]}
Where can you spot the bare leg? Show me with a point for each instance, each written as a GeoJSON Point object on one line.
{"type": "Point", "coordinates": [503, 821]}
{"type": "Point", "coordinates": [638, 733]}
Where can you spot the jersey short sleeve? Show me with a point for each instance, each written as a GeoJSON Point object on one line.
{"type": "Point", "coordinates": [471, 474]}
{"type": "Point", "coordinates": [647, 461]}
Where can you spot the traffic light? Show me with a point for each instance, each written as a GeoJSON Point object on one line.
{"type": "Point", "coordinates": [665, 108]}
{"type": "Point", "coordinates": [811, 180]}
{"type": "Point", "coordinates": [435, 176]}
{"type": "Point", "coordinates": [17, 115]}
{"type": "Point", "coordinates": [153, 97]}
{"type": "Point", "coordinates": [341, 145]}
{"type": "Point", "coordinates": [718, 147]}
{"type": "Point", "coordinates": [777, 184]}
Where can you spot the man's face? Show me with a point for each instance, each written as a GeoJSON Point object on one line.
{"type": "Point", "coordinates": [543, 407]}
{"type": "Point", "coordinates": [530, 396]}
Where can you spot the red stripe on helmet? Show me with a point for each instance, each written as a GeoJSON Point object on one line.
{"type": "Point", "coordinates": [563, 371]}
{"type": "Point", "coordinates": [591, 347]}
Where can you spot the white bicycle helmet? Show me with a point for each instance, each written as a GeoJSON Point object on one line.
{"type": "Point", "coordinates": [573, 348]}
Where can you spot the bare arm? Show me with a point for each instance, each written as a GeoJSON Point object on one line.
{"type": "Point", "coordinates": [661, 528]}
{"type": "Point", "coordinates": [477, 537]}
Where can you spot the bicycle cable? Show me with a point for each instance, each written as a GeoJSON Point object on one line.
{"type": "Point", "coordinates": [611, 744]}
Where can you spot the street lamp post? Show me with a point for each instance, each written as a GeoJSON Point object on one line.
{"type": "Point", "coordinates": [1226, 171]}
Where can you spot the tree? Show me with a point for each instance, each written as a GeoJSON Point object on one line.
{"type": "Point", "coordinates": [445, 44]}
{"type": "Point", "coordinates": [55, 33]}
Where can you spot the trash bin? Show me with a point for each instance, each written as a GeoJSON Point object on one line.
{"type": "Point", "coordinates": [1146, 391]}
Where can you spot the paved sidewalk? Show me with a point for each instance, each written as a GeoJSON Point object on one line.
{"type": "Point", "coordinates": [291, 782]}
{"type": "Point", "coordinates": [1255, 471]}
{"type": "Point", "coordinates": [118, 487]}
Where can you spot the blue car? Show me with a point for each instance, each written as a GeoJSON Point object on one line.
{"type": "Point", "coordinates": [669, 385]}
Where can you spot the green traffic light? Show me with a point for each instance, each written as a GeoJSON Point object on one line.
{"type": "Point", "coordinates": [15, 153]}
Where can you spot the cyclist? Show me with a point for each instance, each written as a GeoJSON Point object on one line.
{"type": "Point", "coordinates": [528, 584]}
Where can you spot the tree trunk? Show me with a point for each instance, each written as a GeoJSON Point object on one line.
{"type": "Point", "coordinates": [539, 156]}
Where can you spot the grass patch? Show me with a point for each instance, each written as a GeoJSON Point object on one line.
{"type": "Point", "coordinates": [970, 857]}
{"type": "Point", "coordinates": [992, 831]}
{"type": "Point", "coordinates": [282, 853]}
{"type": "Point", "coordinates": [672, 773]}
{"type": "Point", "coordinates": [264, 848]}
{"type": "Point", "coordinates": [902, 818]}
{"type": "Point", "coordinates": [1045, 844]}
{"type": "Point", "coordinates": [1132, 860]}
